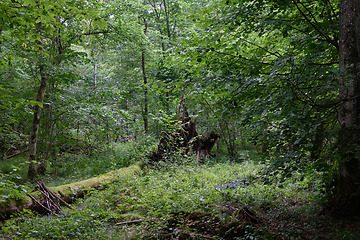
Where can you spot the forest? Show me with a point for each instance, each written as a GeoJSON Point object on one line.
{"type": "Point", "coordinates": [179, 119]}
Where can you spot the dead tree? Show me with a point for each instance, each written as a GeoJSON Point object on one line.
{"type": "Point", "coordinates": [203, 145]}
{"type": "Point", "coordinates": [184, 139]}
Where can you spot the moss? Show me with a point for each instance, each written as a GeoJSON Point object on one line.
{"type": "Point", "coordinates": [131, 216]}
{"type": "Point", "coordinates": [68, 192]}
{"type": "Point", "coordinates": [7, 203]}
{"type": "Point", "coordinates": [95, 182]}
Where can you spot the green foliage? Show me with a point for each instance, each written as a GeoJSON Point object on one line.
{"type": "Point", "coordinates": [11, 190]}
{"type": "Point", "coordinates": [157, 194]}
{"type": "Point", "coordinates": [262, 74]}
{"type": "Point", "coordinates": [266, 72]}
{"type": "Point", "coordinates": [12, 185]}
{"type": "Point", "coordinates": [166, 122]}
{"type": "Point", "coordinates": [74, 226]}
{"type": "Point", "coordinates": [74, 167]}
{"type": "Point", "coordinates": [346, 235]}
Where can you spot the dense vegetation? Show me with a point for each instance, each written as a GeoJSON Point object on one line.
{"type": "Point", "coordinates": [87, 87]}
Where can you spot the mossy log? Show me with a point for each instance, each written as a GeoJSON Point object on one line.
{"type": "Point", "coordinates": [68, 192]}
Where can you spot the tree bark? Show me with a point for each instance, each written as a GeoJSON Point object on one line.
{"type": "Point", "coordinates": [317, 143]}
{"type": "Point", "coordinates": [167, 20]}
{"type": "Point", "coordinates": [95, 78]}
{"type": "Point", "coordinates": [347, 195]}
{"type": "Point", "coordinates": [33, 171]}
{"type": "Point", "coordinates": [146, 100]}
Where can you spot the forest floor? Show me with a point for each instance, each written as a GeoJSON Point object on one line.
{"type": "Point", "coordinates": [218, 199]}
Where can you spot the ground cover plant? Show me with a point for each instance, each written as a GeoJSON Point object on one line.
{"type": "Point", "coordinates": [188, 200]}
{"type": "Point", "coordinates": [70, 167]}
{"type": "Point", "coordinates": [67, 169]}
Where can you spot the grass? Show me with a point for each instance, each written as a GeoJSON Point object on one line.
{"type": "Point", "coordinates": [75, 167]}
{"type": "Point", "coordinates": [185, 200]}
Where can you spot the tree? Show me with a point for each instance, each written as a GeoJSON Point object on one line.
{"type": "Point", "coordinates": [46, 30]}
{"type": "Point", "coordinates": [282, 59]}
{"type": "Point", "coordinates": [273, 63]}
{"type": "Point", "coordinates": [143, 68]}
{"type": "Point", "coordinates": [348, 183]}
{"type": "Point", "coordinates": [44, 76]}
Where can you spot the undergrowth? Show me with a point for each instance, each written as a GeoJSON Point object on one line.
{"type": "Point", "coordinates": [68, 167]}
{"type": "Point", "coordinates": [170, 200]}
{"type": "Point", "coordinates": [72, 167]}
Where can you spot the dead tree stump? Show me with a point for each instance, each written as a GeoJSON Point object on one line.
{"type": "Point", "coordinates": [184, 139]}
{"type": "Point", "coordinates": [203, 145]}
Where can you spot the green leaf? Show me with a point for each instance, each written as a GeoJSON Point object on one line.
{"type": "Point", "coordinates": [36, 103]}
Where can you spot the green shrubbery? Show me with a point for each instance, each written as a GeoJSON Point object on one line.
{"type": "Point", "coordinates": [182, 198]}
{"type": "Point", "coordinates": [69, 167]}
{"type": "Point", "coordinates": [160, 192]}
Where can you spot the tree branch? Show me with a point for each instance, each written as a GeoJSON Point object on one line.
{"type": "Point", "coordinates": [328, 39]}
{"type": "Point", "coordinates": [258, 46]}
{"type": "Point", "coordinates": [241, 57]}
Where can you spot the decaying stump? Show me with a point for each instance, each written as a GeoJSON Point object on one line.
{"type": "Point", "coordinates": [184, 139]}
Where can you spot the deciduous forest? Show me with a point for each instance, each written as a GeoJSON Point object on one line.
{"type": "Point", "coordinates": [179, 119]}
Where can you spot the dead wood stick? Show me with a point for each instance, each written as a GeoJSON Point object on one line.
{"type": "Point", "coordinates": [129, 222]}
{"type": "Point", "coordinates": [15, 154]}
{"type": "Point", "coordinates": [49, 201]}
{"type": "Point", "coordinates": [61, 200]}
{"type": "Point", "coordinates": [56, 196]}
{"type": "Point", "coordinates": [34, 199]}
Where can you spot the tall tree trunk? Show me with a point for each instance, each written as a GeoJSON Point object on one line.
{"type": "Point", "coordinates": [347, 194]}
{"type": "Point", "coordinates": [167, 20]}
{"type": "Point", "coordinates": [146, 100]}
{"type": "Point", "coordinates": [317, 143]}
{"type": "Point", "coordinates": [96, 63]}
{"type": "Point", "coordinates": [32, 171]}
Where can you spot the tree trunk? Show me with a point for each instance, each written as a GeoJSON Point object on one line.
{"type": "Point", "coordinates": [32, 171]}
{"type": "Point", "coordinates": [347, 195]}
{"type": "Point", "coordinates": [167, 20]}
{"type": "Point", "coordinates": [317, 143]}
{"type": "Point", "coordinates": [145, 113]}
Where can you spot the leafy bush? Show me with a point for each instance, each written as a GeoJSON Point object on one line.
{"type": "Point", "coordinates": [11, 184]}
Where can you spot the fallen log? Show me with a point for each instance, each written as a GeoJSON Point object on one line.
{"type": "Point", "coordinates": [67, 193]}
{"type": "Point", "coordinates": [131, 222]}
